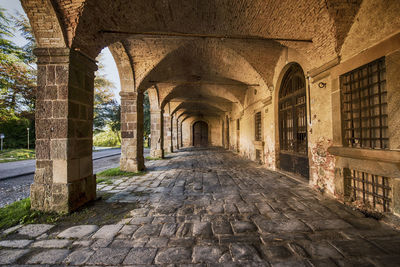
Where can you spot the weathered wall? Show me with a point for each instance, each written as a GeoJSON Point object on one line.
{"type": "Point", "coordinates": [375, 21]}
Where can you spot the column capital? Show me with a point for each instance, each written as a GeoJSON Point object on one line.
{"type": "Point", "coordinates": [128, 95]}
{"type": "Point", "coordinates": [52, 55]}
{"type": "Point", "coordinates": [156, 112]}
{"type": "Point", "coordinates": [62, 55]}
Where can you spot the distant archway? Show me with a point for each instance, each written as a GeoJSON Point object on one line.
{"type": "Point", "coordinates": [200, 134]}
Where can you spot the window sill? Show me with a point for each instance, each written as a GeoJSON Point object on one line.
{"type": "Point", "coordinates": [258, 143]}
{"type": "Point", "coordinates": [391, 156]}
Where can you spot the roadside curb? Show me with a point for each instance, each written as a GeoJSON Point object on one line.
{"type": "Point", "coordinates": [16, 176]}
{"type": "Point", "coordinates": [30, 173]}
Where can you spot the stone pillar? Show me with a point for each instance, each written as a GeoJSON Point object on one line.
{"type": "Point", "coordinates": [171, 134]}
{"type": "Point", "coordinates": [64, 177]}
{"type": "Point", "coordinates": [226, 133]}
{"type": "Point", "coordinates": [156, 149]}
{"type": "Point", "coordinates": [131, 132]}
{"type": "Point", "coordinates": [223, 132]}
{"type": "Point", "coordinates": [178, 134]}
{"type": "Point", "coordinates": [181, 134]}
{"type": "Point", "coordinates": [167, 132]}
{"type": "Point", "coordinates": [174, 133]}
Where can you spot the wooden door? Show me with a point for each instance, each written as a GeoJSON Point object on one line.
{"type": "Point", "coordinates": [200, 134]}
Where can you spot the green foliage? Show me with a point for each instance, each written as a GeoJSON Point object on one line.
{"type": "Point", "coordinates": [12, 214]}
{"type": "Point", "coordinates": [7, 48]}
{"type": "Point", "coordinates": [117, 172]}
{"type": "Point", "coordinates": [107, 111]}
{"type": "Point", "coordinates": [107, 115]}
{"type": "Point", "coordinates": [20, 212]}
{"type": "Point", "coordinates": [9, 155]}
{"type": "Point", "coordinates": [15, 131]}
{"type": "Point", "coordinates": [107, 138]}
{"type": "Point", "coordinates": [104, 180]}
{"type": "Point", "coordinates": [17, 82]}
{"type": "Point", "coordinates": [22, 24]}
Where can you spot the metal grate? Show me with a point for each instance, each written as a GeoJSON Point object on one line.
{"type": "Point", "coordinates": [292, 112]}
{"type": "Point", "coordinates": [364, 104]}
{"type": "Point", "coordinates": [372, 190]}
{"type": "Point", "coordinates": [258, 156]}
{"type": "Point", "coordinates": [257, 120]}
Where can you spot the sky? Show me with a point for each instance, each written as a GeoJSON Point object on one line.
{"type": "Point", "coordinates": [110, 68]}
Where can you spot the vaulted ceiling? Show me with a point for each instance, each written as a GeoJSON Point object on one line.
{"type": "Point", "coordinates": [201, 55]}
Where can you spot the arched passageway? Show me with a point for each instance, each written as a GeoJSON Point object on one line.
{"type": "Point", "coordinates": [200, 134]}
{"type": "Point", "coordinates": [210, 61]}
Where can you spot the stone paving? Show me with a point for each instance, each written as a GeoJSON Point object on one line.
{"type": "Point", "coordinates": [212, 208]}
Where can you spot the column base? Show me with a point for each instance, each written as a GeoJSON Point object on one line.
{"type": "Point", "coordinates": [156, 153]}
{"type": "Point", "coordinates": [131, 165]}
{"type": "Point", "coordinates": [61, 198]}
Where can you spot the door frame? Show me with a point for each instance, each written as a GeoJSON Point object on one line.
{"type": "Point", "coordinates": [192, 133]}
{"type": "Point", "coordinates": [305, 158]}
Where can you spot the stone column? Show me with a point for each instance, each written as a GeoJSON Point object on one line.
{"type": "Point", "coordinates": [171, 134]}
{"type": "Point", "coordinates": [131, 132]}
{"type": "Point", "coordinates": [223, 132]}
{"type": "Point", "coordinates": [181, 131]}
{"type": "Point", "coordinates": [156, 149]}
{"type": "Point", "coordinates": [167, 132]}
{"type": "Point", "coordinates": [226, 133]}
{"type": "Point", "coordinates": [64, 177]}
{"type": "Point", "coordinates": [174, 134]}
{"type": "Point", "coordinates": [178, 134]}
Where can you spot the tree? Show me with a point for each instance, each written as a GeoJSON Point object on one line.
{"type": "Point", "coordinates": [21, 22]}
{"type": "Point", "coordinates": [106, 108]}
{"type": "Point", "coordinates": [17, 81]}
{"type": "Point", "coordinates": [17, 77]}
{"type": "Point", "coordinates": [108, 114]}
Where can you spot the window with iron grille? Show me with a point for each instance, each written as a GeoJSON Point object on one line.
{"type": "Point", "coordinates": [258, 155]}
{"type": "Point", "coordinates": [257, 120]}
{"type": "Point", "coordinates": [364, 105]}
{"type": "Point", "coordinates": [372, 190]}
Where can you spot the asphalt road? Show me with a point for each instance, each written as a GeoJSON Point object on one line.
{"type": "Point", "coordinates": [17, 168]}
{"type": "Point", "coordinates": [13, 189]}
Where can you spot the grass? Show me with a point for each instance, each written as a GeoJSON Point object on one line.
{"type": "Point", "coordinates": [9, 155]}
{"type": "Point", "coordinates": [104, 180]}
{"type": "Point", "coordinates": [115, 172]}
{"type": "Point", "coordinates": [96, 212]}
{"type": "Point", "coordinates": [20, 212]}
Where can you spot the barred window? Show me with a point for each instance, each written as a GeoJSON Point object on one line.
{"type": "Point", "coordinates": [364, 105]}
{"type": "Point", "coordinates": [257, 120]}
{"type": "Point", "coordinates": [373, 191]}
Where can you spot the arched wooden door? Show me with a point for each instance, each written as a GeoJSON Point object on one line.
{"type": "Point", "coordinates": [292, 106]}
{"type": "Point", "coordinates": [200, 134]}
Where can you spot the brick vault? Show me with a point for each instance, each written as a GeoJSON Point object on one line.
{"type": "Point", "coordinates": [307, 87]}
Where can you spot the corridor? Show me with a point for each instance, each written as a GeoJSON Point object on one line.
{"type": "Point", "coordinates": [210, 207]}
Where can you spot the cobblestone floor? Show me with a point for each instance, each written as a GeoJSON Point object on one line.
{"type": "Point", "coordinates": [212, 208]}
